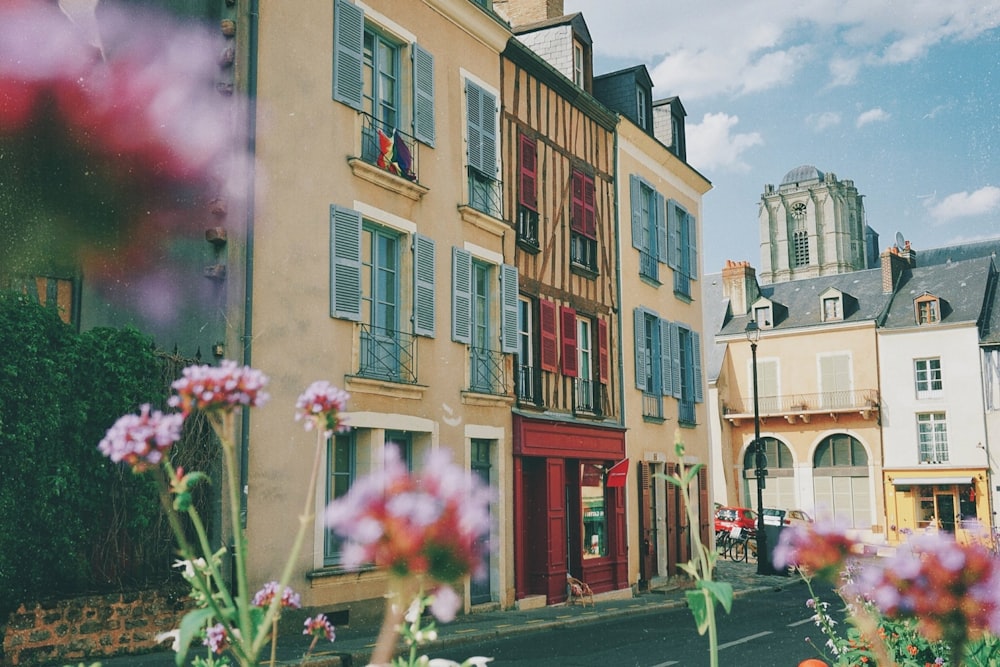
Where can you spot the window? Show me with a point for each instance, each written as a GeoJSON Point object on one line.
{"type": "Point", "coordinates": [840, 480]}
{"type": "Point", "coordinates": [832, 309]}
{"type": "Point", "coordinates": [640, 108]}
{"type": "Point", "coordinates": [768, 390]}
{"type": "Point", "coordinates": [685, 348]}
{"type": "Point", "coordinates": [340, 475]}
{"type": "Point", "coordinates": [682, 247]}
{"type": "Point", "coordinates": [528, 376]}
{"type": "Point", "coordinates": [527, 193]}
{"type": "Point", "coordinates": [368, 68]}
{"type": "Point", "coordinates": [403, 442]}
{"type": "Point", "coordinates": [835, 381]}
{"type": "Point", "coordinates": [583, 224]}
{"type": "Point", "coordinates": [365, 287]}
{"type": "Point", "coordinates": [649, 232]}
{"type": "Point", "coordinates": [648, 362]}
{"type": "Point", "coordinates": [585, 385]}
{"type": "Point", "coordinates": [927, 375]}
{"type": "Point", "coordinates": [667, 361]}
{"type": "Point", "coordinates": [779, 490]}
{"type": "Point", "coordinates": [578, 64]}
{"type": "Point", "coordinates": [928, 309]}
{"type": "Point", "coordinates": [480, 314]}
{"type": "Point", "coordinates": [762, 315]}
{"type": "Point", "coordinates": [60, 294]}
{"type": "Point", "coordinates": [932, 437]}
{"type": "Point", "coordinates": [800, 248]}
{"type": "Point", "coordinates": [481, 138]}
{"type": "Point", "coordinates": [594, 506]}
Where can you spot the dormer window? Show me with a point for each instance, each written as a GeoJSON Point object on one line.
{"type": "Point", "coordinates": [927, 309]}
{"type": "Point", "coordinates": [832, 301]}
{"type": "Point", "coordinates": [578, 64]}
{"type": "Point", "coordinates": [640, 107]}
{"type": "Point", "coordinates": [762, 314]}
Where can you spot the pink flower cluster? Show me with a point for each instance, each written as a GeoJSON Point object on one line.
{"type": "Point", "coordinates": [951, 589]}
{"type": "Point", "coordinates": [819, 549]}
{"type": "Point", "coordinates": [216, 639]}
{"type": "Point", "coordinates": [142, 440]}
{"type": "Point", "coordinates": [432, 523]}
{"type": "Point", "coordinates": [289, 598]}
{"type": "Point", "coordinates": [221, 388]}
{"type": "Point", "coordinates": [322, 404]}
{"type": "Point", "coordinates": [319, 626]}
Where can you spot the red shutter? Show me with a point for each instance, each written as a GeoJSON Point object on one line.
{"type": "Point", "coordinates": [589, 208]}
{"type": "Point", "coordinates": [603, 366]}
{"type": "Point", "coordinates": [576, 219]}
{"type": "Point", "coordinates": [547, 331]}
{"type": "Point", "coordinates": [527, 191]}
{"type": "Point", "coordinates": [567, 321]}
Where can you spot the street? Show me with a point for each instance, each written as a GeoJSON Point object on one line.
{"type": "Point", "coordinates": [767, 628]}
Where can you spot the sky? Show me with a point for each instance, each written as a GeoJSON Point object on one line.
{"type": "Point", "coordinates": [903, 98]}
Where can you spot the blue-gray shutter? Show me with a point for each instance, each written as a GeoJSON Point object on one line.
{"type": "Point", "coordinates": [640, 348]}
{"type": "Point", "coordinates": [673, 236]}
{"type": "Point", "coordinates": [348, 53]}
{"type": "Point", "coordinates": [692, 246]}
{"type": "Point", "coordinates": [345, 263]}
{"type": "Point", "coordinates": [423, 286]}
{"type": "Point", "coordinates": [661, 229]}
{"type": "Point", "coordinates": [508, 299]}
{"type": "Point", "coordinates": [675, 359]}
{"type": "Point", "coordinates": [699, 395]}
{"type": "Point", "coordinates": [423, 95]}
{"type": "Point", "coordinates": [461, 296]}
{"type": "Point", "coordinates": [666, 359]}
{"type": "Point", "coordinates": [474, 122]}
{"type": "Point", "coordinates": [489, 126]}
{"type": "Point", "coordinates": [635, 193]}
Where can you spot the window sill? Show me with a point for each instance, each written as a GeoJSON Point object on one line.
{"type": "Point", "coordinates": [686, 424]}
{"type": "Point", "coordinates": [356, 384]}
{"type": "Point", "coordinates": [585, 271]}
{"type": "Point", "coordinates": [652, 419]}
{"type": "Point", "coordinates": [384, 179]}
{"type": "Point", "coordinates": [686, 298]}
{"type": "Point", "coordinates": [486, 400]}
{"type": "Point", "coordinates": [529, 246]}
{"type": "Point", "coordinates": [483, 221]}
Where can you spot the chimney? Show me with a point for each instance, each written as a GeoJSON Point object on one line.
{"type": "Point", "coordinates": [894, 262]}
{"type": "Point", "coordinates": [525, 12]}
{"type": "Point", "coordinates": [739, 285]}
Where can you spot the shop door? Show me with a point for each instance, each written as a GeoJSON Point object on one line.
{"type": "Point", "coordinates": [647, 523]}
{"type": "Point", "coordinates": [480, 590]}
{"type": "Point", "coordinates": [946, 511]}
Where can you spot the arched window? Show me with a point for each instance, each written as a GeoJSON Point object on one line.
{"type": "Point", "coordinates": [779, 489]}
{"type": "Point", "coordinates": [840, 480]}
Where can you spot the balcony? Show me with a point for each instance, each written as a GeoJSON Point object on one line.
{"type": "Point", "coordinates": [485, 193]}
{"type": "Point", "coordinates": [588, 397]}
{"type": "Point", "coordinates": [527, 228]}
{"type": "Point", "coordinates": [487, 374]}
{"type": "Point", "coordinates": [387, 355]}
{"type": "Point", "coordinates": [388, 149]}
{"type": "Point", "coordinates": [529, 384]}
{"type": "Point", "coordinates": [649, 267]}
{"type": "Point", "coordinates": [805, 407]}
{"type": "Point", "coordinates": [652, 406]}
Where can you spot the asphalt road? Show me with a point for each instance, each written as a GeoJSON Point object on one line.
{"type": "Point", "coordinates": [768, 628]}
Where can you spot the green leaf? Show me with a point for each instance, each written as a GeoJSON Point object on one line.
{"type": "Point", "coordinates": [191, 626]}
{"type": "Point", "coordinates": [720, 590]}
{"type": "Point", "coordinates": [698, 603]}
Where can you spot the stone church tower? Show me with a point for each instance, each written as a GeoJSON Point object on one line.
{"type": "Point", "coordinates": [813, 225]}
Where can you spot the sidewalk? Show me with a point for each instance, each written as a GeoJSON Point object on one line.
{"type": "Point", "coordinates": [353, 646]}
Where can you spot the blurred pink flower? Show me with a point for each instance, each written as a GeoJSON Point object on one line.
{"type": "Point", "coordinates": [142, 440]}
{"type": "Point", "coordinates": [322, 404]}
{"type": "Point", "coordinates": [216, 639]}
{"type": "Point", "coordinates": [221, 388]}
{"type": "Point", "coordinates": [289, 598]}
{"type": "Point", "coordinates": [820, 548]}
{"type": "Point", "coordinates": [428, 523]}
{"type": "Point", "coordinates": [319, 626]}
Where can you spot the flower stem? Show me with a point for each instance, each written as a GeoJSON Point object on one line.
{"type": "Point", "coordinates": [385, 645]}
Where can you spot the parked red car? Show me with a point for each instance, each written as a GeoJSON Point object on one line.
{"type": "Point", "coordinates": [727, 518]}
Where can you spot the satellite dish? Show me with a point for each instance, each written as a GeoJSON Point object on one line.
{"type": "Point", "coordinates": [900, 241]}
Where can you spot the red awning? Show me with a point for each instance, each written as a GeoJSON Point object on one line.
{"type": "Point", "coordinates": [618, 474]}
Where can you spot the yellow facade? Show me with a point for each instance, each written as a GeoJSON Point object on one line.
{"type": "Point", "coordinates": [920, 500]}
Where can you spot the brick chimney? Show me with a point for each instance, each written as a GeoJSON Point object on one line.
{"type": "Point", "coordinates": [739, 285]}
{"type": "Point", "coordinates": [894, 261]}
{"type": "Point", "coordinates": [525, 12]}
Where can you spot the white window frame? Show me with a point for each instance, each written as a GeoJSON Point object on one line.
{"type": "Point", "coordinates": [932, 437]}
{"type": "Point", "coordinates": [926, 377]}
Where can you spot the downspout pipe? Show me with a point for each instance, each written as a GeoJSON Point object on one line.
{"type": "Point", "coordinates": [247, 338]}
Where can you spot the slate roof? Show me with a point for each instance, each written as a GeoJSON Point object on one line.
{"type": "Point", "coordinates": [958, 252]}
{"type": "Point", "coordinates": [961, 286]}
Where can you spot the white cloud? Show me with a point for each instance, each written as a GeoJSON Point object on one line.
{"type": "Point", "coordinates": [820, 121]}
{"type": "Point", "coordinates": [965, 204]}
{"type": "Point", "coordinates": [713, 145]}
{"type": "Point", "coordinates": [876, 115]}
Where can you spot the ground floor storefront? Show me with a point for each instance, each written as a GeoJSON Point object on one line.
{"type": "Point", "coordinates": [955, 501]}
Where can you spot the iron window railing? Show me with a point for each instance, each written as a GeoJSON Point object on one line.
{"type": "Point", "coordinates": [528, 383]}
{"type": "Point", "coordinates": [583, 251]}
{"type": "Point", "coordinates": [527, 226]}
{"type": "Point", "coordinates": [387, 355]}
{"type": "Point", "coordinates": [682, 283]}
{"type": "Point", "coordinates": [388, 148]}
{"type": "Point", "coordinates": [652, 405]}
{"type": "Point", "coordinates": [685, 412]}
{"type": "Point", "coordinates": [485, 193]}
{"type": "Point", "coordinates": [487, 371]}
{"type": "Point", "coordinates": [649, 267]}
{"type": "Point", "coordinates": [588, 397]}
{"type": "Point", "coordinates": [834, 401]}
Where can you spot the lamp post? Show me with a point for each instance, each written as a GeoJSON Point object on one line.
{"type": "Point", "coordinates": [760, 458]}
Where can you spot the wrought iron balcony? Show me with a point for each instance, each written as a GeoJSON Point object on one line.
{"type": "Point", "coordinates": [485, 193]}
{"type": "Point", "coordinates": [528, 384]}
{"type": "Point", "coordinates": [685, 412]}
{"type": "Point", "coordinates": [805, 406]}
{"type": "Point", "coordinates": [486, 374]}
{"type": "Point", "coordinates": [588, 397]}
{"type": "Point", "coordinates": [387, 355]}
{"type": "Point", "coordinates": [388, 148]}
{"type": "Point", "coordinates": [649, 267]}
{"type": "Point", "coordinates": [652, 405]}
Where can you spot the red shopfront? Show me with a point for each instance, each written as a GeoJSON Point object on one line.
{"type": "Point", "coordinates": [567, 520]}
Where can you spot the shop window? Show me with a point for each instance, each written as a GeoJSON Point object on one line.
{"type": "Point", "coordinates": [594, 505]}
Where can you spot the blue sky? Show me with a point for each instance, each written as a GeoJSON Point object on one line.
{"type": "Point", "coordinates": [903, 98]}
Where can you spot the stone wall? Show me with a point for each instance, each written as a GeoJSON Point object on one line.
{"type": "Point", "coordinates": [90, 627]}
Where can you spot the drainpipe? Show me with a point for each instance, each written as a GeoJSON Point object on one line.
{"type": "Point", "coordinates": [251, 102]}
{"type": "Point", "coordinates": [618, 279]}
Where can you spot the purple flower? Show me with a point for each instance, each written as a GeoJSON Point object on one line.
{"type": "Point", "coordinates": [221, 388]}
{"type": "Point", "coordinates": [265, 595]}
{"type": "Point", "coordinates": [142, 440]}
{"type": "Point", "coordinates": [216, 639]}
{"type": "Point", "coordinates": [322, 404]}
{"type": "Point", "coordinates": [445, 604]}
{"type": "Point", "coordinates": [319, 626]}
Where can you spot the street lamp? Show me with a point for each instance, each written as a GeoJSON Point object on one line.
{"type": "Point", "coordinates": [760, 458]}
